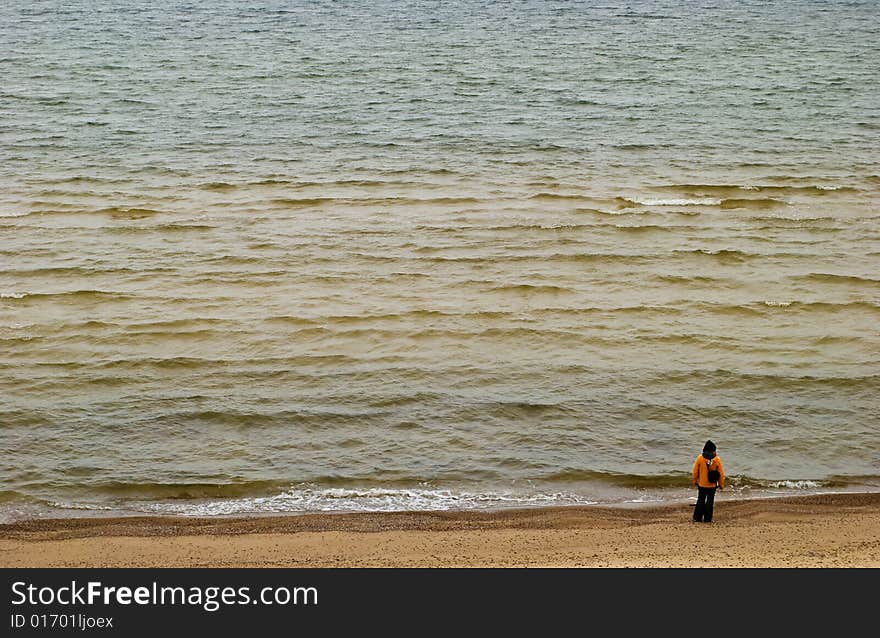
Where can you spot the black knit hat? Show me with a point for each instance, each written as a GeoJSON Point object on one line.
{"type": "Point", "coordinates": [709, 447]}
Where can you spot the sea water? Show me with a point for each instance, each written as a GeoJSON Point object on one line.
{"type": "Point", "coordinates": [295, 256]}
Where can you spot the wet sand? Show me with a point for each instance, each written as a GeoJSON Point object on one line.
{"type": "Point", "coordinates": [832, 530]}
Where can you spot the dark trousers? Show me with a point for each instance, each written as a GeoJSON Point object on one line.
{"type": "Point", "coordinates": [705, 503]}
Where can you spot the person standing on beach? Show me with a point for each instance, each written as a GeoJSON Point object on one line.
{"type": "Point", "coordinates": [708, 475]}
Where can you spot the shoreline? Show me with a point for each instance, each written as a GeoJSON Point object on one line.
{"type": "Point", "coordinates": [827, 530]}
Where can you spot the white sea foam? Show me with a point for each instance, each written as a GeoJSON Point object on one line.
{"type": "Point", "coordinates": [303, 500]}
{"type": "Point", "coordinates": [645, 499]}
{"type": "Point", "coordinates": [706, 201]}
{"type": "Point", "coordinates": [12, 295]}
{"type": "Point", "coordinates": [81, 506]}
{"type": "Point", "coordinates": [796, 485]}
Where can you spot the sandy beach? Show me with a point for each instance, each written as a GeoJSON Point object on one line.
{"type": "Point", "coordinates": [827, 531]}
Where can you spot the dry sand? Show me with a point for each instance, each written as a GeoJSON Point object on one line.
{"type": "Point", "coordinates": [832, 530]}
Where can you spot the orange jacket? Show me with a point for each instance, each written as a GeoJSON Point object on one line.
{"type": "Point", "coordinates": [701, 471]}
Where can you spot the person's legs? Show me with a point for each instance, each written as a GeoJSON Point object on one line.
{"type": "Point", "coordinates": [709, 506]}
{"type": "Point", "coordinates": [701, 503]}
